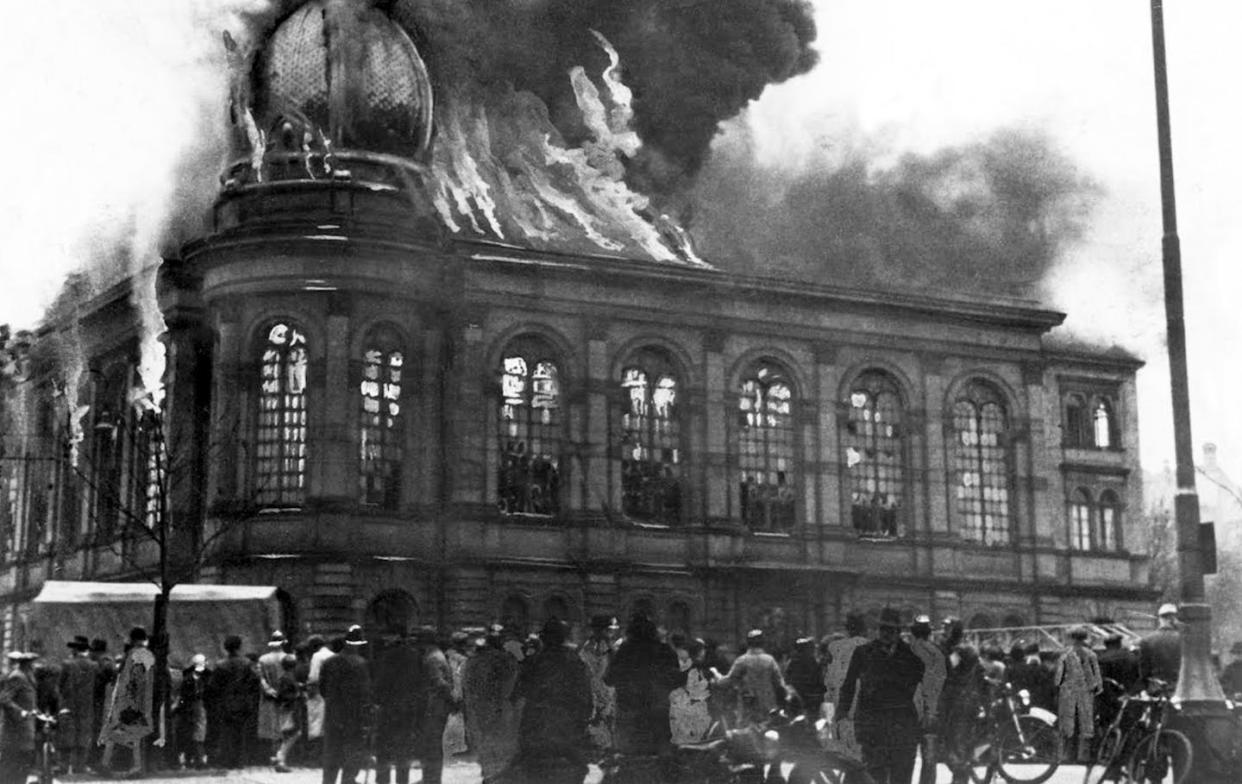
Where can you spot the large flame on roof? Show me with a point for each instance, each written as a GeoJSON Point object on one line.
{"type": "Point", "coordinates": [503, 171]}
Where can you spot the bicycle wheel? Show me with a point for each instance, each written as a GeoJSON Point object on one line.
{"type": "Point", "coordinates": [1107, 764]}
{"type": "Point", "coordinates": [1158, 755]}
{"type": "Point", "coordinates": [1029, 754]}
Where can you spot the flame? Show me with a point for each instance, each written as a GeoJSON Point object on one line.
{"type": "Point", "coordinates": [502, 170]}
{"type": "Point", "coordinates": [151, 356]}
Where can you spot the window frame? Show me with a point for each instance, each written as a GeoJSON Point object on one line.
{"type": "Point", "coordinates": [1083, 434]}
{"type": "Point", "coordinates": [656, 367]}
{"type": "Point", "coordinates": [281, 498]}
{"type": "Point", "coordinates": [874, 382]}
{"type": "Point", "coordinates": [390, 464]}
{"type": "Point", "coordinates": [534, 352]}
{"type": "Point", "coordinates": [978, 394]}
{"type": "Point", "coordinates": [786, 435]}
{"type": "Point", "coordinates": [1081, 508]}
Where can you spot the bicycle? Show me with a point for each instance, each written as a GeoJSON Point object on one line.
{"type": "Point", "coordinates": [1019, 742]}
{"type": "Point", "coordinates": [1140, 748]}
{"type": "Point", "coordinates": [45, 744]}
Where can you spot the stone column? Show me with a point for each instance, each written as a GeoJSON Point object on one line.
{"type": "Point", "coordinates": [829, 474]}
{"type": "Point", "coordinates": [938, 469]}
{"type": "Point", "coordinates": [334, 473]}
{"type": "Point", "coordinates": [600, 485]}
{"type": "Point", "coordinates": [716, 412]}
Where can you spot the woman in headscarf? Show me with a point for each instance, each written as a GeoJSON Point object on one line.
{"type": "Point", "coordinates": [643, 671]}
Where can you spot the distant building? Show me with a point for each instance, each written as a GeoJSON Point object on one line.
{"type": "Point", "coordinates": [397, 426]}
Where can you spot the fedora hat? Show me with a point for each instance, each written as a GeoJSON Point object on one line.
{"type": "Point", "coordinates": [79, 643]}
{"type": "Point", "coordinates": [889, 618]}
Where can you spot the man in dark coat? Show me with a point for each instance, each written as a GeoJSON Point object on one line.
{"type": "Point", "coordinates": [233, 700]}
{"type": "Point", "coordinates": [345, 682]}
{"type": "Point", "coordinates": [1120, 673]}
{"type": "Point", "coordinates": [557, 688]}
{"type": "Point", "coordinates": [643, 671]}
{"type": "Point", "coordinates": [805, 675]}
{"type": "Point", "coordinates": [1027, 671]}
{"type": "Point", "coordinates": [105, 676]}
{"type": "Point", "coordinates": [1160, 653]}
{"type": "Point", "coordinates": [435, 705]}
{"type": "Point", "coordinates": [396, 674]}
{"type": "Point", "coordinates": [885, 673]}
{"type": "Point", "coordinates": [77, 696]}
{"type": "Point", "coordinates": [17, 729]}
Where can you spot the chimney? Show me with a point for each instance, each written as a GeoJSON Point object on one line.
{"type": "Point", "coordinates": [1209, 456]}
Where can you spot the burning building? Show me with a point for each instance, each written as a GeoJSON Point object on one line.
{"type": "Point", "coordinates": [433, 363]}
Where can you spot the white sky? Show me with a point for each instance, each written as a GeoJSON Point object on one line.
{"type": "Point", "coordinates": [100, 95]}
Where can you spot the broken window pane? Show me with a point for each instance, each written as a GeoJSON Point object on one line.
{"type": "Point", "coordinates": [529, 435]}
{"type": "Point", "coordinates": [1080, 520]}
{"type": "Point", "coordinates": [981, 465]}
{"type": "Point", "coordinates": [875, 455]}
{"type": "Point", "coordinates": [650, 442]}
{"type": "Point", "coordinates": [765, 448]}
{"type": "Point", "coordinates": [380, 436]}
{"type": "Point", "coordinates": [280, 470]}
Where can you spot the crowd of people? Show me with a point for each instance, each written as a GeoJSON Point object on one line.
{"type": "Point", "coordinates": [538, 702]}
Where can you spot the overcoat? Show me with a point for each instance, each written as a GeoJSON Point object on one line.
{"type": "Point", "coordinates": [345, 682]}
{"type": "Point", "coordinates": [77, 695]}
{"type": "Point", "coordinates": [17, 694]}
{"type": "Point", "coordinates": [270, 670]}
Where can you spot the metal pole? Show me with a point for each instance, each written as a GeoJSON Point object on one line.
{"type": "Point", "coordinates": [1204, 715]}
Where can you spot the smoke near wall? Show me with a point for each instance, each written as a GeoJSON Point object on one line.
{"type": "Point", "coordinates": [992, 215]}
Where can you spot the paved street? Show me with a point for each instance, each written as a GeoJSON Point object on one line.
{"type": "Point", "coordinates": [457, 773]}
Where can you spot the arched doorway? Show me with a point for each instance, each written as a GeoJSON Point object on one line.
{"type": "Point", "coordinates": [391, 612]}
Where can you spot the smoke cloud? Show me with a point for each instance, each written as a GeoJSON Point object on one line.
{"type": "Point", "coordinates": [992, 215]}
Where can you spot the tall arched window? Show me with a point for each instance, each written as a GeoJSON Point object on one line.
{"type": "Point", "coordinates": [1102, 422]}
{"type": "Point", "coordinates": [651, 441]}
{"type": "Point", "coordinates": [1080, 520]}
{"type": "Point", "coordinates": [1108, 521]}
{"type": "Point", "coordinates": [280, 439]}
{"type": "Point", "coordinates": [530, 431]}
{"type": "Point", "coordinates": [765, 449]}
{"type": "Point", "coordinates": [875, 455]}
{"type": "Point", "coordinates": [108, 438]}
{"type": "Point", "coordinates": [380, 429]}
{"type": "Point", "coordinates": [981, 465]}
{"type": "Point", "coordinates": [1077, 427]}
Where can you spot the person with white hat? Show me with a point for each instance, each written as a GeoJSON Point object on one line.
{"type": "Point", "coordinates": [17, 730]}
{"type": "Point", "coordinates": [1160, 653]}
{"type": "Point", "coordinates": [270, 670]}
{"type": "Point", "coordinates": [757, 678]}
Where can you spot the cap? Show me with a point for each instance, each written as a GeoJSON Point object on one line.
{"type": "Point", "coordinates": [21, 656]}
{"type": "Point", "coordinates": [99, 645]}
{"type": "Point", "coordinates": [137, 634]}
{"type": "Point", "coordinates": [79, 643]}
{"type": "Point", "coordinates": [198, 661]}
{"type": "Point", "coordinates": [890, 618]}
{"type": "Point", "coordinates": [754, 634]}
{"type": "Point", "coordinates": [276, 640]}
{"type": "Point", "coordinates": [1079, 633]}
{"type": "Point", "coordinates": [1167, 608]}
{"type": "Point", "coordinates": [804, 641]}
{"type": "Point", "coordinates": [354, 636]}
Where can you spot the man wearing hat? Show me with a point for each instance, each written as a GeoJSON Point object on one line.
{"type": "Point", "coordinates": [345, 682]}
{"type": "Point", "coordinates": [77, 695]}
{"type": "Point", "coordinates": [17, 730]}
{"type": "Point", "coordinates": [1231, 676]}
{"type": "Point", "coordinates": [1160, 653]}
{"type": "Point", "coordinates": [1078, 679]}
{"type": "Point", "coordinates": [757, 679]}
{"type": "Point", "coordinates": [232, 699]}
{"type": "Point", "coordinates": [806, 676]}
{"type": "Point", "coordinates": [396, 679]}
{"type": "Point", "coordinates": [885, 674]}
{"type": "Point", "coordinates": [270, 670]}
{"type": "Point", "coordinates": [130, 718]}
{"type": "Point", "coordinates": [557, 690]}
{"type": "Point", "coordinates": [927, 697]}
{"type": "Point", "coordinates": [106, 676]}
{"type": "Point", "coordinates": [435, 704]}
{"type": "Point", "coordinates": [595, 653]}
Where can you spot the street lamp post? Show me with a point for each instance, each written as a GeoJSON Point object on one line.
{"type": "Point", "coordinates": [1204, 714]}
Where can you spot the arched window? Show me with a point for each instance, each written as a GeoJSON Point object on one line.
{"type": "Point", "coordinates": [875, 455]}
{"type": "Point", "coordinates": [765, 450]}
{"type": "Point", "coordinates": [280, 470]}
{"type": "Point", "coordinates": [380, 429]}
{"type": "Point", "coordinates": [1013, 621]}
{"type": "Point", "coordinates": [530, 431]}
{"type": "Point", "coordinates": [1102, 422]}
{"type": "Point", "coordinates": [108, 437]}
{"type": "Point", "coordinates": [981, 466]}
{"type": "Point", "coordinates": [651, 441]}
{"type": "Point", "coordinates": [1108, 520]}
{"type": "Point", "coordinates": [1080, 520]}
{"type": "Point", "coordinates": [981, 621]}
{"type": "Point", "coordinates": [1077, 426]}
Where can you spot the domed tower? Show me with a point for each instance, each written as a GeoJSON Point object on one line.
{"type": "Point", "coordinates": [314, 315]}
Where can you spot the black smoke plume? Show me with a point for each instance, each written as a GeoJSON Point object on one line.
{"type": "Point", "coordinates": [690, 63]}
{"type": "Point", "coordinates": [988, 216]}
